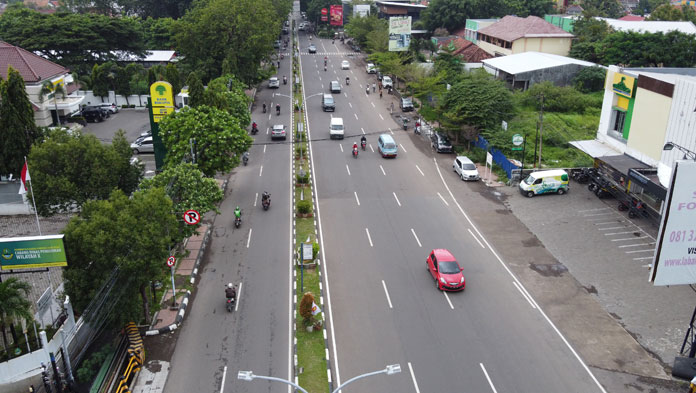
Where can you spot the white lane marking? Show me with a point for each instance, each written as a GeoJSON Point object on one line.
{"type": "Point", "coordinates": [403, 148]}
{"type": "Point", "coordinates": [345, 94]}
{"type": "Point", "coordinates": [595, 214]}
{"type": "Point", "coordinates": [507, 269]}
{"type": "Point", "coordinates": [617, 233]}
{"type": "Point", "coordinates": [390, 130]}
{"type": "Point", "coordinates": [224, 374]}
{"type": "Point", "coordinates": [636, 245]}
{"type": "Point", "coordinates": [608, 229]}
{"type": "Point", "coordinates": [474, 236]}
{"type": "Point", "coordinates": [341, 146]}
{"type": "Point", "coordinates": [384, 173]}
{"type": "Point", "coordinates": [373, 104]}
{"type": "Point", "coordinates": [608, 222]}
{"type": "Point", "coordinates": [360, 85]}
{"type": "Point", "coordinates": [413, 378]}
{"type": "Point", "coordinates": [397, 199]}
{"type": "Point", "coordinates": [264, 148]}
{"type": "Point", "coordinates": [351, 71]}
{"type": "Point", "coordinates": [256, 198]}
{"type": "Point", "coordinates": [416, 236]}
{"type": "Point", "coordinates": [419, 170]}
{"type": "Point", "coordinates": [386, 292]}
{"type": "Point", "coordinates": [363, 130]}
{"type": "Point", "coordinates": [348, 169]}
{"type": "Point", "coordinates": [350, 105]}
{"type": "Point", "coordinates": [380, 116]}
{"type": "Point", "coordinates": [268, 128]}
{"type": "Point", "coordinates": [523, 294]}
{"type": "Point", "coordinates": [356, 116]}
{"type": "Point", "coordinates": [356, 197]}
{"type": "Point", "coordinates": [591, 210]}
{"type": "Point", "coordinates": [629, 238]}
{"type": "Point", "coordinates": [448, 300]}
{"type": "Point", "coordinates": [322, 85]}
{"type": "Point", "coordinates": [261, 171]}
{"type": "Point", "coordinates": [239, 296]}
{"type": "Point", "coordinates": [443, 199]}
{"type": "Point", "coordinates": [488, 378]}
{"type": "Point", "coordinates": [635, 251]}
{"type": "Point", "coordinates": [249, 238]}
{"type": "Point", "coordinates": [638, 259]}
{"type": "Point", "coordinates": [368, 237]}
{"type": "Point", "coordinates": [269, 118]}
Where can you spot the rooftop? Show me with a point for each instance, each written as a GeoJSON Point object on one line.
{"type": "Point", "coordinates": [512, 28]}
{"type": "Point", "coordinates": [159, 56]}
{"type": "Point", "coordinates": [33, 68]}
{"type": "Point", "coordinates": [633, 18]}
{"type": "Point", "coordinates": [531, 61]}
{"type": "Point", "coordinates": [650, 26]}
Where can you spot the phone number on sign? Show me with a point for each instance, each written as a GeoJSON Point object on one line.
{"type": "Point", "coordinates": [682, 236]}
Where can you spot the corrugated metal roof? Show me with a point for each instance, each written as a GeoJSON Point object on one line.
{"type": "Point", "coordinates": [512, 28]}
{"type": "Point", "coordinates": [650, 26]}
{"type": "Point", "coordinates": [531, 61]}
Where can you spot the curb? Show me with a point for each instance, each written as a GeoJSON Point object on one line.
{"type": "Point", "coordinates": [199, 257]}
{"type": "Point", "coordinates": [177, 321]}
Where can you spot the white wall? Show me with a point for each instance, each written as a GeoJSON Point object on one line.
{"type": "Point", "coordinates": [680, 126]}
{"type": "Point", "coordinates": [115, 98]}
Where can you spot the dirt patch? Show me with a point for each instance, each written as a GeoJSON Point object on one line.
{"type": "Point", "coordinates": [532, 242]}
{"type": "Point", "coordinates": [549, 270]}
{"type": "Point", "coordinates": [591, 289]}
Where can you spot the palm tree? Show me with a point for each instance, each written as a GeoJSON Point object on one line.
{"type": "Point", "coordinates": [13, 304]}
{"type": "Point", "coordinates": [47, 88]}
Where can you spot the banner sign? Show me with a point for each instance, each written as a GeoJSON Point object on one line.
{"type": "Point", "coordinates": [162, 100]}
{"type": "Point", "coordinates": [675, 259]}
{"type": "Point", "coordinates": [32, 252]}
{"type": "Point", "coordinates": [336, 15]}
{"type": "Point", "coordinates": [399, 33]}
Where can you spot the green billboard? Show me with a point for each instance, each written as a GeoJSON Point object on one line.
{"type": "Point", "coordinates": [32, 252]}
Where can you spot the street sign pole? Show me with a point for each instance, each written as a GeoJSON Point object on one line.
{"type": "Point", "coordinates": [171, 269]}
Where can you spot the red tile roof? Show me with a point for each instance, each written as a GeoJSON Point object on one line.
{"type": "Point", "coordinates": [469, 51]}
{"type": "Point", "coordinates": [460, 32]}
{"type": "Point", "coordinates": [31, 67]}
{"type": "Point", "coordinates": [512, 28]}
{"type": "Point", "coordinates": [633, 18]}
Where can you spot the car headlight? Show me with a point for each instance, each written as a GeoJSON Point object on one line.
{"type": "Point", "coordinates": [462, 280]}
{"type": "Point", "coordinates": [442, 280]}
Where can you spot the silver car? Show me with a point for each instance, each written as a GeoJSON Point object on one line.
{"type": "Point", "coordinates": [465, 168]}
{"type": "Point", "coordinates": [278, 132]}
{"type": "Point", "coordinates": [274, 82]}
{"type": "Point", "coordinates": [143, 146]}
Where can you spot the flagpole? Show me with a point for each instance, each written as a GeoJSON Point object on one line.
{"type": "Point", "coordinates": [36, 213]}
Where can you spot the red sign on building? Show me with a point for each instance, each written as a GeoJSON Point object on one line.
{"type": "Point", "coordinates": [336, 15]}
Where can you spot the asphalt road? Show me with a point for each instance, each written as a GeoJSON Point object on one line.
{"type": "Point", "coordinates": [213, 344]}
{"type": "Point", "coordinates": [379, 219]}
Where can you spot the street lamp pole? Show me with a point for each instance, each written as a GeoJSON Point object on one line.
{"type": "Point", "coordinates": [687, 153]}
{"type": "Point", "coordinates": [390, 370]}
{"type": "Point", "coordinates": [249, 376]}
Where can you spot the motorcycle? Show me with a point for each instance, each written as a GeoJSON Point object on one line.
{"type": "Point", "coordinates": [237, 222]}
{"type": "Point", "coordinates": [264, 108]}
{"type": "Point", "coordinates": [347, 81]}
{"type": "Point", "coordinates": [363, 144]}
{"type": "Point", "coordinates": [285, 80]}
{"type": "Point", "coordinates": [405, 124]}
{"type": "Point", "coordinates": [245, 159]}
{"type": "Point", "coordinates": [266, 203]}
{"type": "Point", "coordinates": [417, 129]}
{"type": "Point", "coordinates": [355, 152]}
{"type": "Point", "coordinates": [230, 304]}
{"type": "Point", "coordinates": [254, 130]}
{"type": "Point", "coordinates": [277, 110]}
{"type": "Point", "coordinates": [367, 90]}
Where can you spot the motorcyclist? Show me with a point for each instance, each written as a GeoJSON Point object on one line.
{"type": "Point", "coordinates": [230, 291]}
{"type": "Point", "coordinates": [347, 80]}
{"type": "Point", "coordinates": [237, 213]}
{"type": "Point", "coordinates": [363, 141]}
{"type": "Point", "coordinates": [355, 147]}
{"type": "Point", "coordinates": [245, 157]}
{"type": "Point", "coordinates": [264, 107]}
{"type": "Point", "coordinates": [285, 80]}
{"type": "Point", "coordinates": [278, 109]}
{"type": "Point", "coordinates": [266, 198]}
{"type": "Point", "coordinates": [253, 126]}
{"type": "Point", "coordinates": [374, 87]}
{"type": "Point", "coordinates": [367, 89]}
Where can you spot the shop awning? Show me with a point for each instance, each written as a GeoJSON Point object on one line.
{"type": "Point", "coordinates": [595, 148]}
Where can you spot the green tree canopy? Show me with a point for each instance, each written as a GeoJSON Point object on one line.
{"type": "Point", "coordinates": [448, 14]}
{"type": "Point", "coordinates": [590, 79]}
{"type": "Point", "coordinates": [227, 93]}
{"type": "Point", "coordinates": [18, 130]}
{"type": "Point", "coordinates": [671, 13]}
{"type": "Point", "coordinates": [14, 305]}
{"type": "Point", "coordinates": [219, 139]}
{"type": "Point", "coordinates": [196, 90]}
{"type": "Point", "coordinates": [68, 170]}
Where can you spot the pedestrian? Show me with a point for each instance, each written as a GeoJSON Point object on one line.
{"type": "Point", "coordinates": [380, 94]}
{"type": "Point", "coordinates": [392, 107]}
{"type": "Point", "coordinates": [374, 87]}
{"type": "Point", "coordinates": [390, 89]}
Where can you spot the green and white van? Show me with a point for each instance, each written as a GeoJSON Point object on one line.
{"type": "Point", "coordinates": [544, 182]}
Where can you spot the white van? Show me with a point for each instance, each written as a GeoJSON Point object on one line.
{"type": "Point", "coordinates": [543, 182]}
{"type": "Point", "coordinates": [336, 129]}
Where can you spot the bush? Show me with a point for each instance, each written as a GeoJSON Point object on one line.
{"type": "Point", "coordinates": [90, 366]}
{"type": "Point", "coordinates": [315, 250]}
{"type": "Point", "coordinates": [306, 309]}
{"type": "Point", "coordinates": [300, 151]}
{"type": "Point", "coordinates": [304, 207]}
{"type": "Point", "coordinates": [590, 79]}
{"type": "Point", "coordinates": [303, 179]}
{"type": "Point", "coordinates": [558, 99]}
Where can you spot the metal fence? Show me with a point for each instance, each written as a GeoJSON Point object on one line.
{"type": "Point", "coordinates": [498, 157]}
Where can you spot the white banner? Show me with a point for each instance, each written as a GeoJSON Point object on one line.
{"type": "Point", "coordinates": [675, 259]}
{"type": "Point", "coordinates": [399, 33]}
{"type": "Point", "coordinates": [315, 309]}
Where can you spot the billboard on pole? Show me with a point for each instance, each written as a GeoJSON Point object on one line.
{"type": "Point", "coordinates": [324, 15]}
{"type": "Point", "coordinates": [336, 15]}
{"type": "Point", "coordinates": [399, 33]}
{"type": "Point", "coordinates": [675, 258]}
{"type": "Point", "coordinates": [362, 10]}
{"type": "Point", "coordinates": [32, 252]}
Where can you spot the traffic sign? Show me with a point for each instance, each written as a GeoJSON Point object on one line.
{"type": "Point", "coordinates": [324, 11]}
{"type": "Point", "coordinates": [517, 139]}
{"type": "Point", "coordinates": [171, 261]}
{"type": "Point", "coordinates": [192, 217]}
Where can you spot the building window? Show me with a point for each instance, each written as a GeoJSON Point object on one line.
{"type": "Point", "coordinates": [618, 118]}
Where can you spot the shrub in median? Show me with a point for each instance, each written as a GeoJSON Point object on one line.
{"type": "Point", "coordinates": [304, 207]}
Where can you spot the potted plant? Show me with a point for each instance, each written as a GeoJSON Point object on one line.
{"type": "Point", "coordinates": [304, 208]}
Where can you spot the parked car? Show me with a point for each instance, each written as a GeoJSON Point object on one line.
{"type": "Point", "coordinates": [111, 107]}
{"type": "Point", "coordinates": [278, 132]}
{"type": "Point", "coordinates": [144, 146]}
{"type": "Point", "coordinates": [445, 269]}
{"type": "Point", "coordinates": [465, 168]}
{"type": "Point", "coordinates": [93, 114]}
{"type": "Point", "coordinates": [406, 104]}
{"type": "Point", "coordinates": [286, 30]}
{"type": "Point", "coordinates": [370, 68]}
{"type": "Point", "coordinates": [543, 182]}
{"type": "Point", "coordinates": [312, 49]}
{"type": "Point", "coordinates": [345, 65]}
{"type": "Point", "coordinates": [355, 48]}
{"type": "Point", "coordinates": [387, 82]}
{"type": "Point", "coordinates": [273, 83]}
{"type": "Point", "coordinates": [440, 143]}
{"type": "Point", "coordinates": [277, 44]}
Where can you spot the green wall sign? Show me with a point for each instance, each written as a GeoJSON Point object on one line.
{"type": "Point", "coordinates": [32, 252]}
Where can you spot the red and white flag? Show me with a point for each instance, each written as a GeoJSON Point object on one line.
{"type": "Point", "coordinates": [25, 176]}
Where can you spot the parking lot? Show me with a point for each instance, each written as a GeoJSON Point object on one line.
{"type": "Point", "coordinates": [610, 255]}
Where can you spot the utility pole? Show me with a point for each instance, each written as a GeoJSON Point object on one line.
{"type": "Point", "coordinates": [541, 127]}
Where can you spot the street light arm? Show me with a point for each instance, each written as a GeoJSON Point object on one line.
{"type": "Point", "coordinates": [690, 154]}
{"type": "Point", "coordinates": [249, 376]}
{"type": "Point", "coordinates": [391, 369]}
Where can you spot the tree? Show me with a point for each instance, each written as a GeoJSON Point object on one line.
{"type": "Point", "coordinates": [158, 33]}
{"type": "Point", "coordinates": [589, 29]}
{"type": "Point", "coordinates": [47, 89]}
{"type": "Point", "coordinates": [14, 305]}
{"type": "Point", "coordinates": [449, 14]}
{"type": "Point", "coordinates": [604, 8]}
{"type": "Point", "coordinates": [219, 140]}
{"type": "Point", "coordinates": [666, 12]}
{"type": "Point", "coordinates": [69, 170]}
{"type": "Point", "coordinates": [477, 101]}
{"type": "Point", "coordinates": [215, 30]}
{"type": "Point", "coordinates": [358, 27]}
{"type": "Point", "coordinates": [632, 49]}
{"type": "Point", "coordinates": [590, 79]}
{"type": "Point", "coordinates": [306, 305]}
{"type": "Point", "coordinates": [101, 79]}
{"type": "Point", "coordinates": [131, 234]}
{"type": "Point", "coordinates": [122, 82]}
{"type": "Point", "coordinates": [188, 189]}
{"type": "Point", "coordinates": [227, 93]}
{"type": "Point", "coordinates": [196, 90]}
{"type": "Point", "coordinates": [171, 75]}
{"type": "Point", "coordinates": [18, 130]}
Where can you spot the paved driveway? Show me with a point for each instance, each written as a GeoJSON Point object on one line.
{"type": "Point", "coordinates": [132, 121]}
{"type": "Point", "coordinates": [610, 255]}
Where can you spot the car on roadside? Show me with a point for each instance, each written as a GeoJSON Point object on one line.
{"type": "Point", "coordinates": [345, 65]}
{"type": "Point", "coordinates": [445, 270]}
{"type": "Point", "coordinates": [312, 49]}
{"type": "Point", "coordinates": [274, 82]}
{"type": "Point", "coordinates": [440, 143]}
{"type": "Point", "coordinates": [277, 44]}
{"type": "Point", "coordinates": [370, 68]}
{"type": "Point", "coordinates": [355, 48]}
{"type": "Point", "coordinates": [146, 145]}
{"type": "Point", "coordinates": [278, 132]}
{"type": "Point", "coordinates": [286, 30]}
{"type": "Point", "coordinates": [111, 107]}
{"type": "Point", "coordinates": [406, 104]}
{"type": "Point", "coordinates": [93, 114]}
{"type": "Point", "coordinates": [465, 168]}
{"type": "Point", "coordinates": [387, 82]}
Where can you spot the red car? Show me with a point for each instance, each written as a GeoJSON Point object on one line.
{"type": "Point", "coordinates": [445, 270]}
